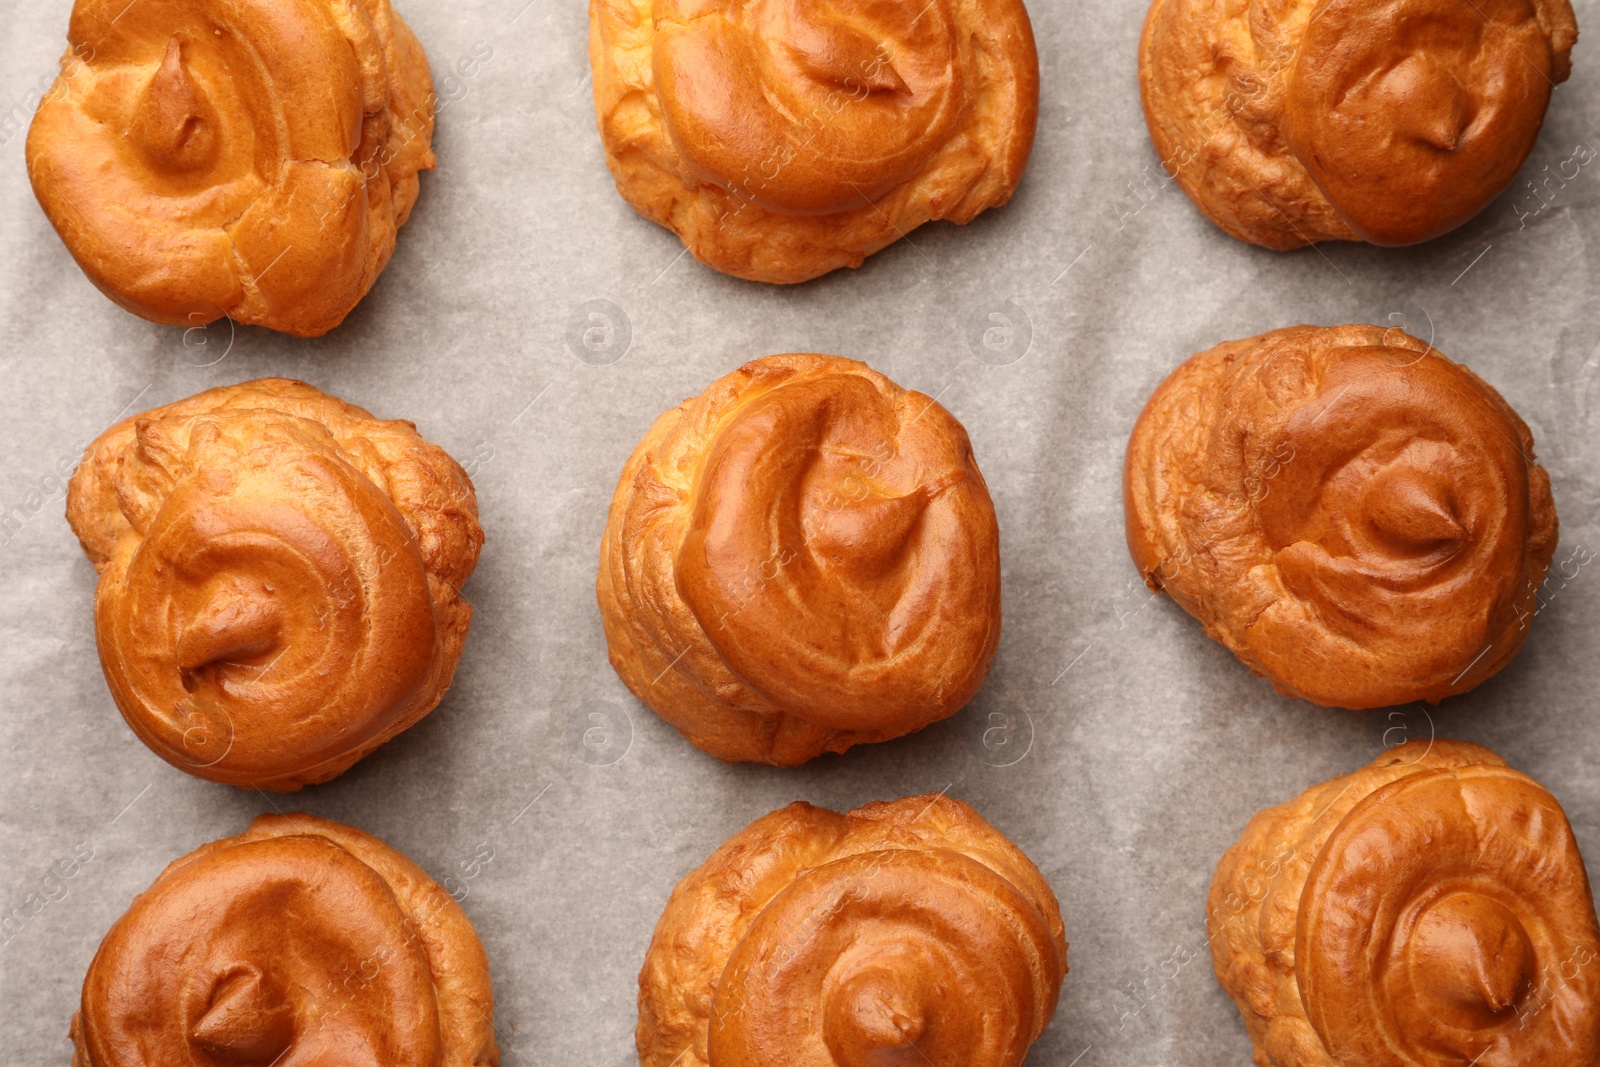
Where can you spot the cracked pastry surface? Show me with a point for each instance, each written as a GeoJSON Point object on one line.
{"type": "Point", "coordinates": [280, 578]}
{"type": "Point", "coordinates": [1289, 122]}
{"type": "Point", "coordinates": [800, 559]}
{"type": "Point", "coordinates": [1354, 516]}
{"type": "Point", "coordinates": [1428, 909]}
{"type": "Point", "coordinates": [246, 158]}
{"type": "Point", "coordinates": [905, 931]}
{"type": "Point", "coordinates": [783, 140]}
{"type": "Point", "coordinates": [298, 941]}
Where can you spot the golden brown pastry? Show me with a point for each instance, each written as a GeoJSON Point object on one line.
{"type": "Point", "coordinates": [250, 159]}
{"type": "Point", "coordinates": [800, 559]}
{"type": "Point", "coordinates": [1429, 909]}
{"type": "Point", "coordinates": [1356, 517]}
{"type": "Point", "coordinates": [298, 941]}
{"type": "Point", "coordinates": [1389, 121]}
{"type": "Point", "coordinates": [783, 140]}
{"type": "Point", "coordinates": [279, 578]}
{"type": "Point", "coordinates": [906, 932]}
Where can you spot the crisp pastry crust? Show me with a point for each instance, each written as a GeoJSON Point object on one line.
{"type": "Point", "coordinates": [782, 140]}
{"type": "Point", "coordinates": [1390, 121]}
{"type": "Point", "coordinates": [248, 158]}
{"type": "Point", "coordinates": [280, 578]}
{"type": "Point", "coordinates": [1356, 517]}
{"type": "Point", "coordinates": [1429, 909]}
{"type": "Point", "coordinates": [801, 559]}
{"type": "Point", "coordinates": [906, 931]}
{"type": "Point", "coordinates": [298, 941]}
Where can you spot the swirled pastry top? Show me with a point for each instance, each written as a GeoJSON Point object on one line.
{"type": "Point", "coordinates": [279, 578]}
{"type": "Point", "coordinates": [907, 931]}
{"type": "Point", "coordinates": [1429, 909]}
{"type": "Point", "coordinates": [1355, 516]}
{"type": "Point", "coordinates": [1389, 121]}
{"type": "Point", "coordinates": [782, 140]}
{"type": "Point", "coordinates": [248, 158]}
{"type": "Point", "coordinates": [800, 559]}
{"type": "Point", "coordinates": [298, 941]}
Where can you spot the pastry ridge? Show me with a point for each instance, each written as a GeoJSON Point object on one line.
{"type": "Point", "coordinates": [280, 578]}
{"type": "Point", "coordinates": [800, 559]}
{"type": "Point", "coordinates": [780, 144]}
{"type": "Point", "coordinates": [1357, 518]}
{"type": "Point", "coordinates": [298, 931]}
{"type": "Point", "coordinates": [880, 892]}
{"type": "Point", "coordinates": [252, 160]}
{"type": "Point", "coordinates": [1289, 122]}
{"type": "Point", "coordinates": [1430, 905]}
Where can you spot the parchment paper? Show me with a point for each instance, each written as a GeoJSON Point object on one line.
{"type": "Point", "coordinates": [1116, 743]}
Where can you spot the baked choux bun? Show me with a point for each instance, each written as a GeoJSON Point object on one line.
{"type": "Point", "coordinates": [783, 140]}
{"type": "Point", "coordinates": [1357, 518]}
{"type": "Point", "coordinates": [298, 941]}
{"type": "Point", "coordinates": [907, 931]}
{"type": "Point", "coordinates": [247, 158]}
{"type": "Point", "coordinates": [800, 559]}
{"type": "Point", "coordinates": [1388, 121]}
{"type": "Point", "coordinates": [1429, 909]}
{"type": "Point", "coordinates": [279, 578]}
